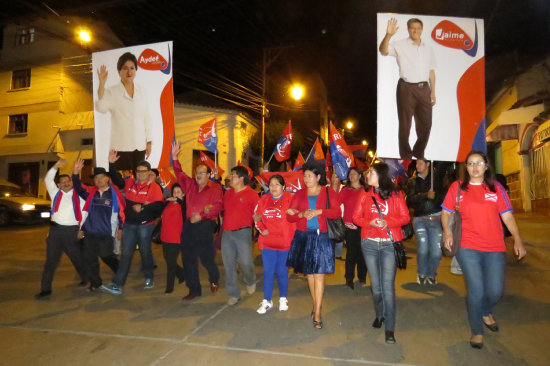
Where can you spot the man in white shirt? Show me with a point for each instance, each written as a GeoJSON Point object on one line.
{"type": "Point", "coordinates": [416, 86]}
{"type": "Point", "coordinates": [65, 223]}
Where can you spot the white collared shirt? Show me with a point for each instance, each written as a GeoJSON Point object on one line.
{"type": "Point", "coordinates": [130, 119]}
{"type": "Point", "coordinates": [414, 61]}
{"type": "Point", "coordinates": [65, 213]}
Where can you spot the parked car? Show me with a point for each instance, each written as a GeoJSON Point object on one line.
{"type": "Point", "coordinates": [18, 206]}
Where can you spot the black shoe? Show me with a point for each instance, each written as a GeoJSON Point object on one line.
{"type": "Point", "coordinates": [92, 288]}
{"type": "Point", "coordinates": [390, 338]}
{"type": "Point", "coordinates": [350, 284]}
{"type": "Point", "coordinates": [168, 290]}
{"type": "Point", "coordinates": [492, 327]}
{"type": "Point", "coordinates": [82, 283]}
{"type": "Point", "coordinates": [42, 295]}
{"type": "Point", "coordinates": [377, 323]}
{"type": "Point", "coordinates": [476, 345]}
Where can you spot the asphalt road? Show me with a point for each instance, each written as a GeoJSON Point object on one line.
{"type": "Point", "coordinates": [147, 327]}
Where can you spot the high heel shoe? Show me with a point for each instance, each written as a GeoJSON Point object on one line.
{"type": "Point", "coordinates": [377, 323]}
{"type": "Point", "coordinates": [476, 345]}
{"type": "Point", "coordinates": [318, 324]}
{"type": "Point", "coordinates": [390, 337]}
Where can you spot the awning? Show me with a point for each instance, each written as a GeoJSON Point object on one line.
{"type": "Point", "coordinates": [505, 127]}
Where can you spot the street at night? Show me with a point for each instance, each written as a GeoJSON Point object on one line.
{"type": "Point", "coordinates": [148, 327]}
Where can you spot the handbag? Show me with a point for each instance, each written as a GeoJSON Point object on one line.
{"type": "Point", "coordinates": [335, 227]}
{"type": "Point", "coordinates": [398, 248]}
{"type": "Point", "coordinates": [455, 225]}
{"type": "Point", "coordinates": [408, 231]}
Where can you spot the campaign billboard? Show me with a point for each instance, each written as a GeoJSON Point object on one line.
{"type": "Point", "coordinates": [431, 86]}
{"type": "Point", "coordinates": [134, 104]}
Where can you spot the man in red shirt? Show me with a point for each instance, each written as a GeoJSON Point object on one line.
{"type": "Point", "coordinates": [204, 204]}
{"type": "Point", "coordinates": [238, 203]}
{"type": "Point", "coordinates": [144, 203]}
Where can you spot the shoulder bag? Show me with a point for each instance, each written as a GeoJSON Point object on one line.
{"type": "Point", "coordinates": [455, 225]}
{"type": "Point", "coordinates": [335, 227]}
{"type": "Point", "coordinates": [398, 248]}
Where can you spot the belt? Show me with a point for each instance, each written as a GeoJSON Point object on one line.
{"type": "Point", "coordinates": [431, 218]}
{"type": "Point", "coordinates": [421, 84]}
{"type": "Point", "coordinates": [53, 223]}
{"type": "Point", "coordinates": [379, 239]}
{"type": "Point", "coordinates": [242, 228]}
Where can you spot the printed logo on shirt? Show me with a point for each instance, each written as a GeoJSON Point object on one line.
{"type": "Point", "coordinates": [272, 213]}
{"type": "Point", "coordinates": [448, 34]}
{"type": "Point", "coordinates": [384, 208]}
{"type": "Point", "coordinates": [493, 197]}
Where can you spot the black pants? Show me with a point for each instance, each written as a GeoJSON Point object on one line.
{"type": "Point", "coordinates": [98, 246]}
{"type": "Point", "coordinates": [171, 252]}
{"type": "Point", "coordinates": [414, 100]}
{"type": "Point", "coordinates": [128, 160]}
{"type": "Point", "coordinates": [198, 243]}
{"type": "Point", "coordinates": [61, 239]}
{"type": "Point", "coordinates": [354, 256]}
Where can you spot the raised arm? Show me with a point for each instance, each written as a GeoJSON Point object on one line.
{"type": "Point", "coordinates": [391, 29]}
{"type": "Point", "coordinates": [49, 179]}
{"type": "Point", "coordinates": [82, 192]}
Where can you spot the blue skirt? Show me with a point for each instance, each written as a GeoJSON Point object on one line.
{"type": "Point", "coordinates": [311, 253]}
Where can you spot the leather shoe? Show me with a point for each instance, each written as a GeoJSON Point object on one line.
{"type": "Point", "coordinates": [492, 327]}
{"type": "Point", "coordinates": [189, 297]}
{"type": "Point", "coordinates": [42, 295]}
{"type": "Point", "coordinates": [350, 284]}
{"type": "Point", "coordinates": [390, 338]}
{"type": "Point", "coordinates": [476, 345]}
{"type": "Point", "coordinates": [377, 323]}
{"type": "Point", "coordinates": [214, 287]}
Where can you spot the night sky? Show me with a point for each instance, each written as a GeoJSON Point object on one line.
{"type": "Point", "coordinates": [218, 44]}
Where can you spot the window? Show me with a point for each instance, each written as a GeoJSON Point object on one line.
{"type": "Point", "coordinates": [24, 36]}
{"type": "Point", "coordinates": [18, 124]}
{"type": "Point", "coordinates": [21, 79]}
{"type": "Point", "coordinates": [87, 141]}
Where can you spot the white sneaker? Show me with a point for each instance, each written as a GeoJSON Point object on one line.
{"type": "Point", "coordinates": [283, 304]}
{"type": "Point", "coordinates": [251, 289]}
{"type": "Point", "coordinates": [232, 300]}
{"type": "Point", "coordinates": [265, 306]}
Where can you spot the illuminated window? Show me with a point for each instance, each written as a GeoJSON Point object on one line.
{"type": "Point", "coordinates": [21, 79]}
{"type": "Point", "coordinates": [24, 36]}
{"type": "Point", "coordinates": [18, 124]}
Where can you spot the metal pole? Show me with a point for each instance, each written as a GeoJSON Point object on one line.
{"type": "Point", "coordinates": [262, 146]}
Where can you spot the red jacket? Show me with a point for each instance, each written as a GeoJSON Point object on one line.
{"type": "Point", "coordinates": [300, 202]}
{"type": "Point", "coordinates": [394, 211]}
{"type": "Point", "coordinates": [172, 223]}
{"type": "Point", "coordinates": [274, 220]}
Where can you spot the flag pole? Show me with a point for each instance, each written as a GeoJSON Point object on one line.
{"type": "Point", "coordinates": [374, 157]}
{"type": "Point", "coordinates": [271, 157]}
{"type": "Point", "coordinates": [432, 175]}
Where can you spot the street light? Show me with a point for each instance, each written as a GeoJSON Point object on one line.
{"type": "Point", "coordinates": [349, 125]}
{"type": "Point", "coordinates": [84, 35]}
{"type": "Point", "coordinates": [371, 154]}
{"type": "Point", "coordinates": [364, 142]}
{"type": "Point", "coordinates": [297, 91]}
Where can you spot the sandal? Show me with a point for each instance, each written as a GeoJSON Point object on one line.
{"type": "Point", "coordinates": [317, 324]}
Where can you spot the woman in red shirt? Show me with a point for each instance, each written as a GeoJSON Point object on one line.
{"type": "Point", "coordinates": [481, 256]}
{"type": "Point", "coordinates": [376, 244]}
{"type": "Point", "coordinates": [274, 240]}
{"type": "Point", "coordinates": [170, 235]}
{"type": "Point", "coordinates": [349, 195]}
{"type": "Point", "coordinates": [311, 251]}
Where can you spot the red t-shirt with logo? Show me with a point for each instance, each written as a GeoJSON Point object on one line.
{"type": "Point", "coordinates": [239, 208]}
{"type": "Point", "coordinates": [480, 209]}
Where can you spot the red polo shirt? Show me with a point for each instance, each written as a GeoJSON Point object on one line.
{"type": "Point", "coordinates": [239, 208]}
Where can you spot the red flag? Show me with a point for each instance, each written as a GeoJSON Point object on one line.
{"type": "Point", "coordinates": [362, 165]}
{"type": "Point", "coordinates": [288, 168]}
{"type": "Point", "coordinates": [316, 152]}
{"type": "Point", "coordinates": [210, 163]}
{"type": "Point", "coordinates": [207, 135]}
{"type": "Point", "coordinates": [250, 172]}
{"type": "Point", "coordinates": [328, 159]}
{"type": "Point", "coordinates": [294, 181]}
{"type": "Point", "coordinates": [342, 158]}
{"type": "Point", "coordinates": [167, 178]}
{"type": "Point", "coordinates": [353, 148]}
{"type": "Point", "coordinates": [299, 161]}
{"type": "Point", "coordinates": [282, 149]}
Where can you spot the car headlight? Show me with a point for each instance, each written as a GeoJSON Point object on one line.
{"type": "Point", "coordinates": [27, 207]}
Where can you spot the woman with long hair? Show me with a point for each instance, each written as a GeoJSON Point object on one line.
{"type": "Point", "coordinates": [311, 251]}
{"type": "Point", "coordinates": [274, 241]}
{"type": "Point", "coordinates": [349, 195]}
{"type": "Point", "coordinates": [376, 244]}
{"type": "Point", "coordinates": [173, 217]}
{"type": "Point", "coordinates": [482, 252]}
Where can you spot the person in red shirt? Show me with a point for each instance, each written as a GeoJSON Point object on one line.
{"type": "Point", "coordinates": [274, 240]}
{"type": "Point", "coordinates": [311, 251]}
{"type": "Point", "coordinates": [481, 256]}
{"type": "Point", "coordinates": [238, 203]}
{"type": "Point", "coordinates": [349, 195]}
{"type": "Point", "coordinates": [376, 244]}
{"type": "Point", "coordinates": [173, 218]}
{"type": "Point", "coordinates": [204, 204]}
{"type": "Point", "coordinates": [144, 204]}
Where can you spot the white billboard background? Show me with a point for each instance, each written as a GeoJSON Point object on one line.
{"type": "Point", "coordinates": [152, 84]}
{"type": "Point", "coordinates": [451, 64]}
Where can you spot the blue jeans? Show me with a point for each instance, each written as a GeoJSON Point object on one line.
{"type": "Point", "coordinates": [133, 235]}
{"type": "Point", "coordinates": [274, 262]}
{"type": "Point", "coordinates": [237, 249]}
{"type": "Point", "coordinates": [380, 260]}
{"type": "Point", "coordinates": [339, 249]}
{"type": "Point", "coordinates": [428, 237]}
{"type": "Point", "coordinates": [484, 277]}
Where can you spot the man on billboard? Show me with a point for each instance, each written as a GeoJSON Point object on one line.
{"type": "Point", "coordinates": [416, 86]}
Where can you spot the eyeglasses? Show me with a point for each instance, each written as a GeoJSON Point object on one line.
{"type": "Point", "coordinates": [476, 163]}
{"type": "Point", "coordinates": [141, 171]}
